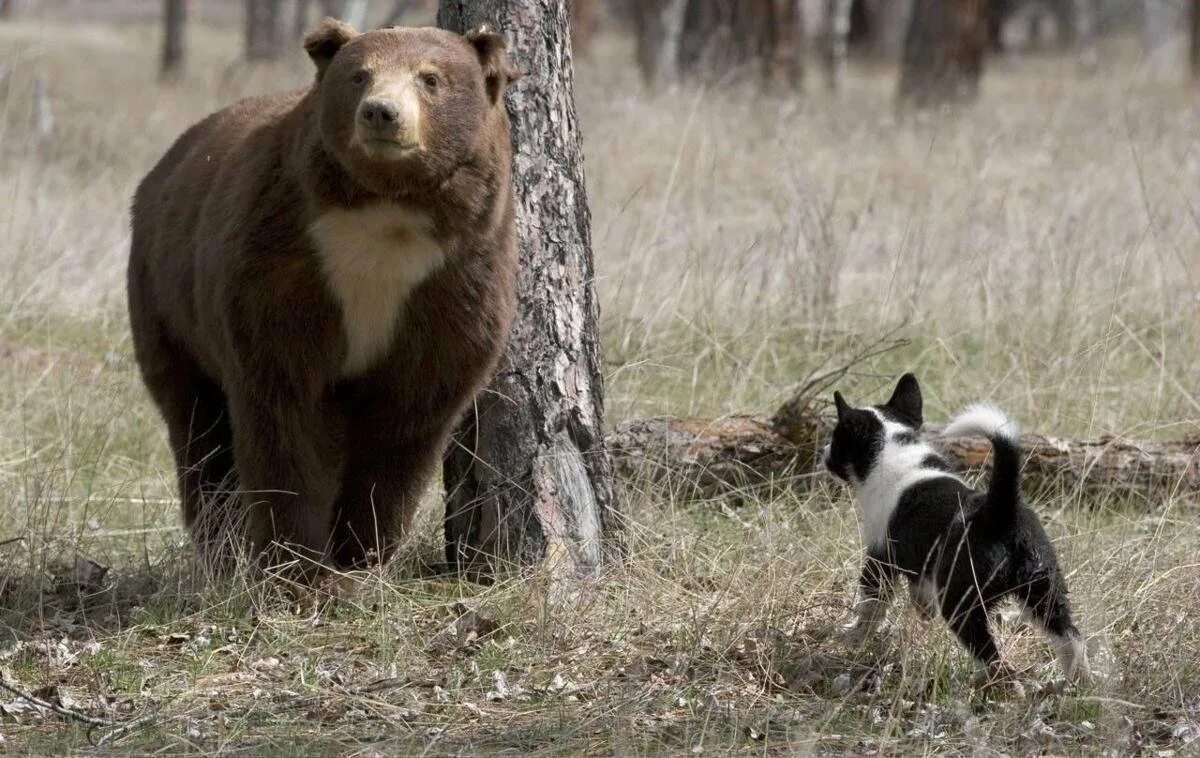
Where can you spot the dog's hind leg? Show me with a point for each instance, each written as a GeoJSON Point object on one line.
{"type": "Point", "coordinates": [923, 594]}
{"type": "Point", "coordinates": [875, 587]}
{"type": "Point", "coordinates": [970, 625]}
{"type": "Point", "coordinates": [1046, 602]}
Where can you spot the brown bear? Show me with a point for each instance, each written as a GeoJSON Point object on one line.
{"type": "Point", "coordinates": [319, 282]}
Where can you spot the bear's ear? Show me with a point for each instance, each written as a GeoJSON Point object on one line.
{"type": "Point", "coordinates": [492, 50]}
{"type": "Point", "coordinates": [840, 403]}
{"type": "Point", "coordinates": [323, 42]}
{"type": "Point", "coordinates": [906, 400]}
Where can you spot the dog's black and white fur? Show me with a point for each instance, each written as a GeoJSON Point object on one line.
{"type": "Point", "coordinates": [962, 551]}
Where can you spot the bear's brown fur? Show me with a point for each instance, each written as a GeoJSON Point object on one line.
{"type": "Point", "coordinates": [318, 284]}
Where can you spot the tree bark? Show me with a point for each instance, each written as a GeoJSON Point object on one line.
{"type": "Point", "coordinates": [943, 52]}
{"type": "Point", "coordinates": [731, 455]}
{"type": "Point", "coordinates": [264, 19]}
{"type": "Point", "coordinates": [528, 478]}
{"type": "Point", "coordinates": [174, 39]}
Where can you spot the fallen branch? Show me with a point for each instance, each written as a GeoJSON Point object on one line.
{"type": "Point", "coordinates": [716, 456]}
{"type": "Point", "coordinates": [61, 710]}
{"type": "Point", "coordinates": [707, 456]}
{"type": "Point", "coordinates": [115, 728]}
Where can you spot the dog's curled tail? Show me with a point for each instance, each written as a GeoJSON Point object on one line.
{"type": "Point", "coordinates": [989, 421]}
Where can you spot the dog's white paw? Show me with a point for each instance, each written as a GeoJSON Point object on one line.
{"type": "Point", "coordinates": [922, 595]}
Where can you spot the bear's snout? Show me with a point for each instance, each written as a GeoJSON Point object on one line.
{"type": "Point", "coordinates": [379, 115]}
{"type": "Point", "coordinates": [388, 121]}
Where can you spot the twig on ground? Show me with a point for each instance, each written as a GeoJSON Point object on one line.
{"type": "Point", "coordinates": [800, 403]}
{"type": "Point", "coordinates": [120, 730]}
{"type": "Point", "coordinates": [115, 729]}
{"type": "Point", "coordinates": [60, 710]}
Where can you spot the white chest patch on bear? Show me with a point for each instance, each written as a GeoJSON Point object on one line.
{"type": "Point", "coordinates": [373, 258]}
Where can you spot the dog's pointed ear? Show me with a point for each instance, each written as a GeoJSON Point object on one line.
{"type": "Point", "coordinates": [906, 400]}
{"type": "Point", "coordinates": [324, 41]}
{"type": "Point", "coordinates": [841, 405]}
{"type": "Point", "coordinates": [492, 50]}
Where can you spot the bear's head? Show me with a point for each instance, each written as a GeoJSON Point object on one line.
{"type": "Point", "coordinates": [402, 107]}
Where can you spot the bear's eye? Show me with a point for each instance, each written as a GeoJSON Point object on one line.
{"type": "Point", "coordinates": [430, 81]}
{"type": "Point", "coordinates": [359, 78]}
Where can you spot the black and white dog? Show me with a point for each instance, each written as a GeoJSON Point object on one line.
{"type": "Point", "coordinates": [962, 551]}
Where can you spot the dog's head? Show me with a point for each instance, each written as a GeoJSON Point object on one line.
{"type": "Point", "coordinates": [861, 433]}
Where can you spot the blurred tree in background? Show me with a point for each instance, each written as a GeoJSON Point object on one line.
{"type": "Point", "coordinates": [264, 23]}
{"type": "Point", "coordinates": [1194, 47]}
{"type": "Point", "coordinates": [174, 37]}
{"type": "Point", "coordinates": [719, 39]}
{"type": "Point", "coordinates": [943, 51]}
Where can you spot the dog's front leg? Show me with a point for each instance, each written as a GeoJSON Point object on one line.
{"type": "Point", "coordinates": [875, 586]}
{"type": "Point", "coordinates": [923, 595]}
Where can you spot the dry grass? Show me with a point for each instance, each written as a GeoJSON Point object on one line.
{"type": "Point", "coordinates": [1039, 250]}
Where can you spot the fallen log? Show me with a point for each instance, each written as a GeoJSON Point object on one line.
{"type": "Point", "coordinates": [706, 457]}
{"type": "Point", "coordinates": [727, 455]}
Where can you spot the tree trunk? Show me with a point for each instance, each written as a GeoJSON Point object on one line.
{"type": "Point", "coordinates": [1194, 47]}
{"type": "Point", "coordinates": [1067, 20]}
{"type": "Point", "coordinates": [528, 478]}
{"type": "Point", "coordinates": [715, 38]}
{"type": "Point", "coordinates": [6, 8]}
{"type": "Point", "coordinates": [174, 42]}
{"type": "Point", "coordinates": [996, 15]}
{"type": "Point", "coordinates": [783, 54]}
{"type": "Point", "coordinates": [874, 28]}
{"type": "Point", "coordinates": [836, 34]}
{"type": "Point", "coordinates": [658, 27]}
{"type": "Point", "coordinates": [943, 52]}
{"type": "Point", "coordinates": [264, 19]}
{"type": "Point", "coordinates": [891, 22]}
